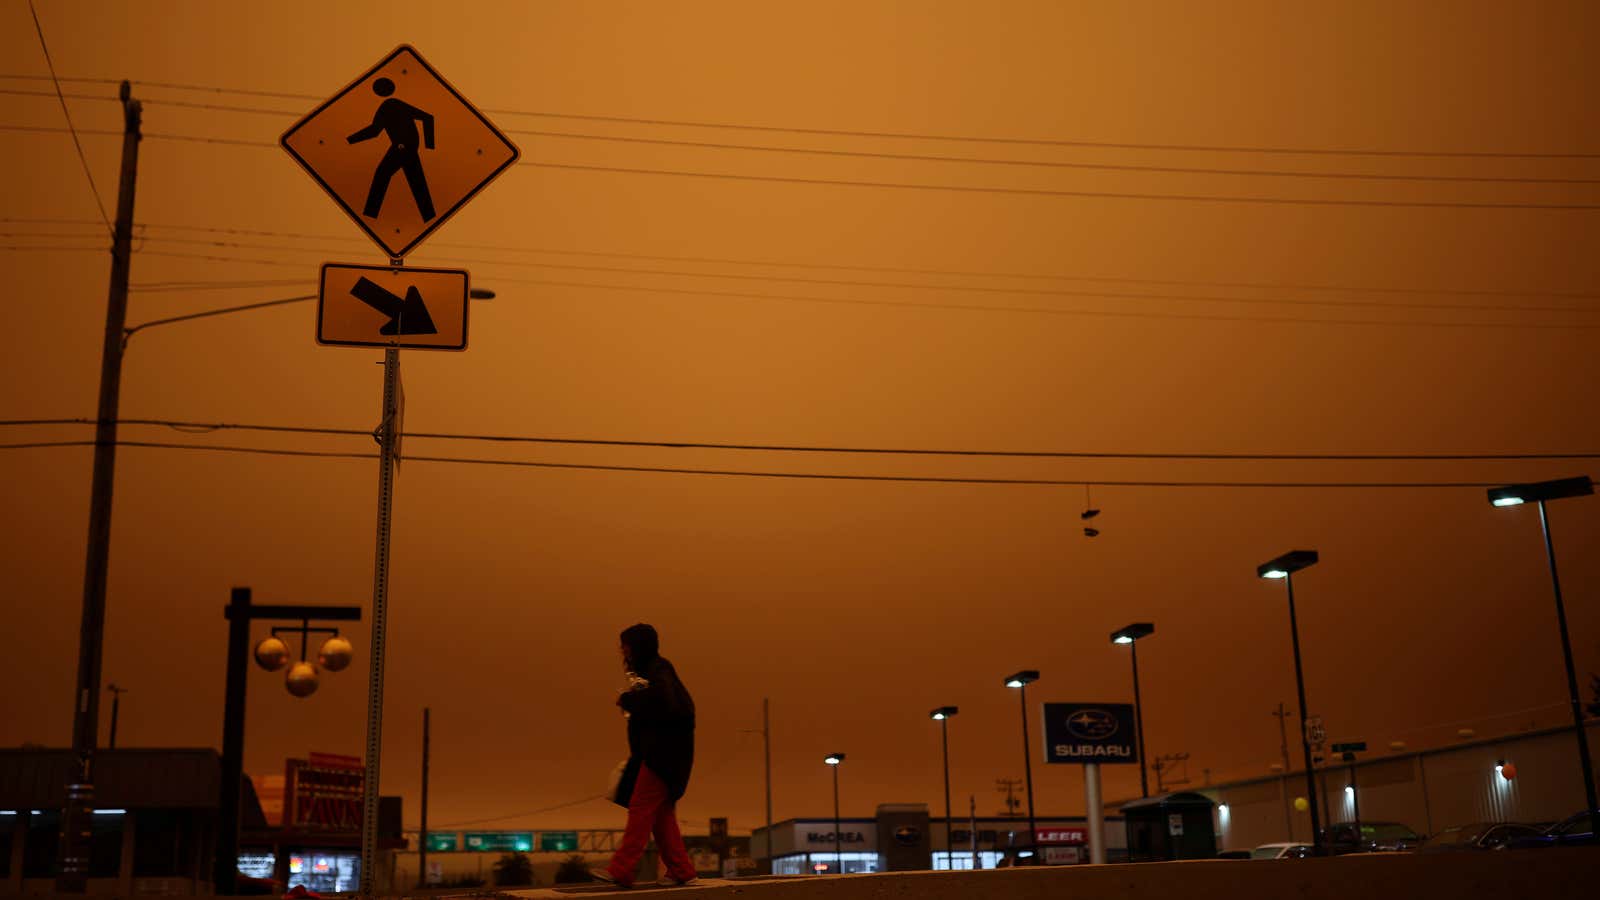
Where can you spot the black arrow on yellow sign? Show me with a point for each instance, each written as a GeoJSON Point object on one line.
{"type": "Point", "coordinates": [407, 315]}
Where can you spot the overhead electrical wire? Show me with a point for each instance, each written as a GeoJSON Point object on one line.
{"type": "Point", "coordinates": [898, 270]}
{"type": "Point", "coordinates": [1107, 167]}
{"type": "Point", "coordinates": [833, 282]}
{"type": "Point", "coordinates": [516, 815]}
{"type": "Point", "coordinates": [208, 427]}
{"type": "Point", "coordinates": [906, 135]}
{"type": "Point", "coordinates": [963, 307]}
{"type": "Point", "coordinates": [802, 476]}
{"type": "Point", "coordinates": [1051, 192]}
{"type": "Point", "coordinates": [992, 189]}
{"type": "Point", "coordinates": [55, 82]}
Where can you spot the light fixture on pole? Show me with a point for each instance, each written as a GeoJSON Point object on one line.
{"type": "Point", "coordinates": [942, 716]}
{"type": "Point", "coordinates": [1284, 568]}
{"type": "Point", "coordinates": [1539, 492]}
{"type": "Point", "coordinates": [833, 760]}
{"type": "Point", "coordinates": [1020, 681]}
{"type": "Point", "coordinates": [1130, 635]}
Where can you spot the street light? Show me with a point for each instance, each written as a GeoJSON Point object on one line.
{"type": "Point", "coordinates": [270, 654]}
{"type": "Point", "coordinates": [1284, 568]}
{"type": "Point", "coordinates": [1130, 635]}
{"type": "Point", "coordinates": [942, 716]}
{"type": "Point", "coordinates": [1539, 492]}
{"type": "Point", "coordinates": [833, 760]}
{"type": "Point", "coordinates": [1020, 681]}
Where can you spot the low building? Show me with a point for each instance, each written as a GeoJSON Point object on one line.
{"type": "Point", "coordinates": [1531, 776]}
{"type": "Point", "coordinates": [904, 837]}
{"type": "Point", "coordinates": [154, 821]}
{"type": "Point", "coordinates": [155, 827]}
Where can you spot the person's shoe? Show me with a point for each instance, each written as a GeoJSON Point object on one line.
{"type": "Point", "coordinates": [681, 882]}
{"type": "Point", "coordinates": [606, 876]}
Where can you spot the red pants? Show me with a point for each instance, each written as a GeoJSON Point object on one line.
{"type": "Point", "coordinates": [650, 811]}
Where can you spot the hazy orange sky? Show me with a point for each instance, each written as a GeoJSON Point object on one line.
{"type": "Point", "coordinates": [855, 606]}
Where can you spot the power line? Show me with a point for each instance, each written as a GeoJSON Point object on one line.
{"type": "Point", "coordinates": [804, 476]}
{"type": "Point", "coordinates": [207, 427]}
{"type": "Point", "coordinates": [518, 815]}
{"type": "Point", "coordinates": [904, 135]}
{"type": "Point", "coordinates": [1036, 276]}
{"type": "Point", "coordinates": [1104, 167]}
{"type": "Point", "coordinates": [1049, 192]}
{"type": "Point", "coordinates": [48, 221]}
{"type": "Point", "coordinates": [56, 83]}
{"type": "Point", "coordinates": [1180, 298]}
{"type": "Point", "coordinates": [975, 189]}
{"type": "Point", "coordinates": [224, 285]}
{"type": "Point", "coordinates": [1042, 310]}
{"type": "Point", "coordinates": [58, 93]}
{"type": "Point", "coordinates": [962, 307]}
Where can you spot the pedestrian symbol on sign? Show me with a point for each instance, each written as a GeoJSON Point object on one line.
{"type": "Point", "coordinates": [398, 120]}
{"type": "Point", "coordinates": [359, 147]}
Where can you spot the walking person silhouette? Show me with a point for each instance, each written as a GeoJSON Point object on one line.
{"type": "Point", "coordinates": [397, 119]}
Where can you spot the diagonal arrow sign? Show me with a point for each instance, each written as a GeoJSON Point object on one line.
{"type": "Point", "coordinates": [408, 315]}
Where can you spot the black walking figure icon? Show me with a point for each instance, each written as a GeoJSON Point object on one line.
{"type": "Point", "coordinates": [397, 119]}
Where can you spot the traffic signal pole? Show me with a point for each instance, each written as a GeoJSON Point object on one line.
{"type": "Point", "coordinates": [72, 854]}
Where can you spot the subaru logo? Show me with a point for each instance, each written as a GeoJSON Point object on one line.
{"type": "Point", "coordinates": [1092, 724]}
{"type": "Point", "coordinates": [907, 835]}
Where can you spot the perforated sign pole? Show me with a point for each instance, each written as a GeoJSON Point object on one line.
{"type": "Point", "coordinates": [387, 437]}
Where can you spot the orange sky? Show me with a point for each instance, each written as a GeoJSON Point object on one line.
{"type": "Point", "coordinates": [856, 607]}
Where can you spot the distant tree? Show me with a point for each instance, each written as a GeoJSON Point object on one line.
{"type": "Point", "coordinates": [573, 870]}
{"type": "Point", "coordinates": [513, 870]}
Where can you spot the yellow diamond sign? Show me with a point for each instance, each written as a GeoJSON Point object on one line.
{"type": "Point", "coordinates": [400, 150]}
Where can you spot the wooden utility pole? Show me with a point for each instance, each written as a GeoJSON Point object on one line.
{"type": "Point", "coordinates": [72, 854]}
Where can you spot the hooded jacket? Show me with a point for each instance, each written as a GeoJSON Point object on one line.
{"type": "Point", "coordinates": [660, 729]}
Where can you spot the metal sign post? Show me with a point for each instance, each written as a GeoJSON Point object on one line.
{"type": "Point", "coordinates": [1090, 734]}
{"type": "Point", "coordinates": [1097, 815]}
{"type": "Point", "coordinates": [399, 123]}
{"type": "Point", "coordinates": [380, 618]}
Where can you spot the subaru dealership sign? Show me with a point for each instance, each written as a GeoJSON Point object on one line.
{"type": "Point", "coordinates": [1090, 733]}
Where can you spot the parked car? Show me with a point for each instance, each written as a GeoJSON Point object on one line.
{"type": "Point", "coordinates": [1478, 836]}
{"type": "Point", "coordinates": [1233, 854]}
{"type": "Point", "coordinates": [1341, 838]}
{"type": "Point", "coordinates": [1281, 851]}
{"type": "Point", "coordinates": [1574, 830]}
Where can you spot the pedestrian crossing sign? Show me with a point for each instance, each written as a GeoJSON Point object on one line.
{"type": "Point", "coordinates": [400, 150]}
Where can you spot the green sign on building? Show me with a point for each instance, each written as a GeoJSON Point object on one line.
{"type": "Point", "coordinates": [558, 841]}
{"type": "Point", "coordinates": [441, 841]}
{"type": "Point", "coordinates": [499, 841]}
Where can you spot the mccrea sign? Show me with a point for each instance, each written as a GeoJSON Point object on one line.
{"type": "Point", "coordinates": [1090, 733]}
